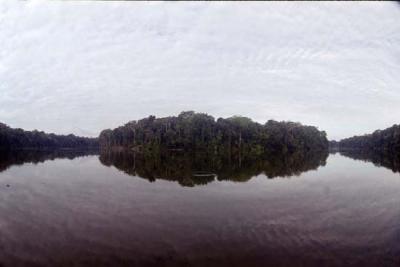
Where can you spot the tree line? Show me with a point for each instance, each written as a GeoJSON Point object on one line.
{"type": "Point", "coordinates": [11, 139]}
{"type": "Point", "coordinates": [190, 131]}
{"type": "Point", "coordinates": [387, 140]}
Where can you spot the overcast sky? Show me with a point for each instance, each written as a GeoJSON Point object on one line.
{"type": "Point", "coordinates": [80, 67]}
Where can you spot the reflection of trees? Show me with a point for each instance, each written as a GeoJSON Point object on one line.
{"type": "Point", "coordinates": [19, 157]}
{"type": "Point", "coordinates": [188, 169]}
{"type": "Point", "coordinates": [378, 158]}
{"type": "Point", "coordinates": [201, 168]}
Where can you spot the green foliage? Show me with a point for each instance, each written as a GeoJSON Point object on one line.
{"type": "Point", "coordinates": [191, 131]}
{"type": "Point", "coordinates": [381, 140]}
{"type": "Point", "coordinates": [19, 139]}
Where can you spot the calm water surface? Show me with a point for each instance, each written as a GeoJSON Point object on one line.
{"type": "Point", "coordinates": [118, 210]}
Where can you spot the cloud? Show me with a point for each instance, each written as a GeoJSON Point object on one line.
{"type": "Point", "coordinates": [84, 66]}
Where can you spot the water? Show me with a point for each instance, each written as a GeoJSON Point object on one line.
{"type": "Point", "coordinates": [118, 209]}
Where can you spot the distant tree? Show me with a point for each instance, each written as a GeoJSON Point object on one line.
{"type": "Point", "coordinates": [19, 139]}
{"type": "Point", "coordinates": [192, 131]}
{"type": "Point", "coordinates": [380, 140]}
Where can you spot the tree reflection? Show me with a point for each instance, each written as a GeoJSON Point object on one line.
{"type": "Point", "coordinates": [188, 169]}
{"type": "Point", "coordinates": [378, 158]}
{"type": "Point", "coordinates": [191, 169]}
{"type": "Point", "coordinates": [20, 157]}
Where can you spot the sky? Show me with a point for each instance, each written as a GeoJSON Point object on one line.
{"type": "Point", "coordinates": [81, 67]}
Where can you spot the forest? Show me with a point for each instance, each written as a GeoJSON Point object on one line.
{"type": "Point", "coordinates": [12, 139]}
{"type": "Point", "coordinates": [387, 140]}
{"type": "Point", "coordinates": [191, 131]}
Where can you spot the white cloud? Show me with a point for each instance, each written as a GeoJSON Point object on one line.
{"type": "Point", "coordinates": [84, 66]}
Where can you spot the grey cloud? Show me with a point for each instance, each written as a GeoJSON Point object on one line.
{"type": "Point", "coordinates": [84, 66]}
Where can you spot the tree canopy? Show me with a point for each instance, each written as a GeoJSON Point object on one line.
{"type": "Point", "coordinates": [199, 131]}
{"type": "Point", "coordinates": [381, 140]}
{"type": "Point", "coordinates": [20, 139]}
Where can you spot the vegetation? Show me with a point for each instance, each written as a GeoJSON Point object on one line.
{"type": "Point", "coordinates": [387, 140]}
{"type": "Point", "coordinates": [192, 131]}
{"type": "Point", "coordinates": [11, 139]}
{"type": "Point", "coordinates": [191, 169]}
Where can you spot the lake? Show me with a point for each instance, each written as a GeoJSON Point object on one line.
{"type": "Point", "coordinates": [121, 209]}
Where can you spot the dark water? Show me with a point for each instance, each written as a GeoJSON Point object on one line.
{"type": "Point", "coordinates": [121, 209]}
